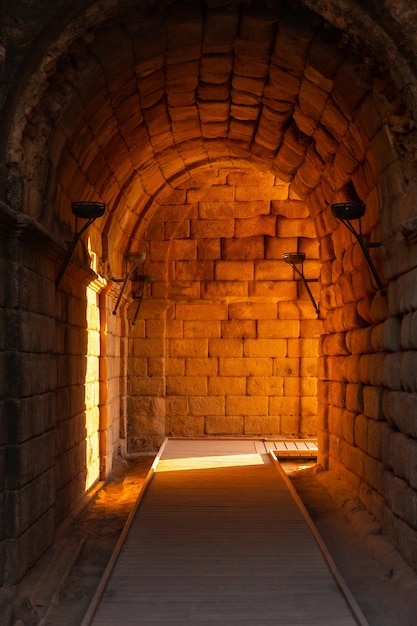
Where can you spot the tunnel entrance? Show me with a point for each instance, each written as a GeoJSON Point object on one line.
{"type": "Point", "coordinates": [218, 135]}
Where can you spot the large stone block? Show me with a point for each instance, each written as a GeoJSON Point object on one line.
{"type": "Point", "coordinates": [348, 419]}
{"type": "Point", "coordinates": [262, 425]}
{"type": "Point", "coordinates": [260, 225]}
{"type": "Point", "coordinates": [204, 405]}
{"type": "Point", "coordinates": [245, 405]}
{"type": "Point", "coordinates": [227, 385]}
{"type": "Point", "coordinates": [372, 402]}
{"type": "Point", "coordinates": [285, 366]}
{"type": "Point", "coordinates": [186, 385]}
{"type": "Point", "coordinates": [26, 505]}
{"type": "Point", "coordinates": [354, 397]}
{"type": "Point", "coordinates": [29, 417]}
{"type": "Point", "coordinates": [305, 386]}
{"type": "Point", "coordinates": [361, 432]}
{"type": "Point", "coordinates": [309, 407]}
{"type": "Point", "coordinates": [284, 406]}
{"type": "Point", "coordinates": [275, 329]}
{"type": "Point", "coordinates": [220, 290]}
{"type": "Point", "coordinates": [201, 366]}
{"type": "Point", "coordinates": [224, 425]}
{"type": "Point", "coordinates": [290, 424]}
{"type": "Point", "coordinates": [231, 347]}
{"type": "Point", "coordinates": [177, 405]}
{"type": "Point", "coordinates": [352, 458]}
{"type": "Point", "coordinates": [371, 369]}
{"type": "Point", "coordinates": [335, 344]}
{"type": "Point", "coordinates": [147, 386]}
{"type": "Point", "coordinates": [29, 460]}
{"type": "Point", "coordinates": [243, 249]}
{"type": "Point", "coordinates": [151, 347]}
{"type": "Point", "coordinates": [212, 228]}
{"type": "Point", "coordinates": [276, 247]}
{"type": "Point", "coordinates": [185, 426]}
{"type": "Point", "coordinates": [279, 291]}
{"type": "Point", "coordinates": [303, 347]}
{"type": "Point", "coordinates": [225, 210]}
{"type": "Point", "coordinates": [195, 329]}
{"type": "Point", "coordinates": [409, 331]}
{"type": "Point", "coordinates": [252, 310]}
{"type": "Point", "coordinates": [265, 386]}
{"type": "Point", "coordinates": [375, 438]}
{"type": "Point", "coordinates": [208, 249]}
{"type": "Point", "coordinates": [234, 270]}
{"type": "Point", "coordinates": [23, 552]}
{"type": "Point", "coordinates": [186, 347]}
{"type": "Point", "coordinates": [408, 376]}
{"type": "Point", "coordinates": [201, 311]}
{"type": "Point", "coordinates": [258, 366]}
{"type": "Point", "coordinates": [194, 270]}
{"type": "Point", "coordinates": [265, 348]}
{"type": "Point", "coordinates": [335, 422]}
{"type": "Point", "coordinates": [296, 228]}
{"type": "Point", "coordinates": [239, 329]}
{"type": "Point", "coordinates": [399, 455]}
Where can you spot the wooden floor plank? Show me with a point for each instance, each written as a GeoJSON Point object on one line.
{"type": "Point", "coordinates": [218, 539]}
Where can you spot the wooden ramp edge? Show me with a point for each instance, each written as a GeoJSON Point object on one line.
{"type": "Point", "coordinates": [354, 606]}
{"type": "Point", "coordinates": [261, 447]}
{"type": "Point", "coordinates": [88, 617]}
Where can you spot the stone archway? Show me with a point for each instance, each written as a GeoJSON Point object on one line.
{"type": "Point", "coordinates": [152, 108]}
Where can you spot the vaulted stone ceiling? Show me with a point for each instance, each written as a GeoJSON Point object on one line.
{"type": "Point", "coordinates": [136, 98]}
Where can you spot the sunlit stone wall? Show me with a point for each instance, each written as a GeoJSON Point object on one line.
{"type": "Point", "coordinates": [227, 343]}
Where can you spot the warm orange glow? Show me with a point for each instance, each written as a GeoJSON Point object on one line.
{"type": "Point", "coordinates": [209, 462]}
{"type": "Point", "coordinates": [92, 410]}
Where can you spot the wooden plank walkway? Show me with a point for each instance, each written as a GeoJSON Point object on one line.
{"type": "Point", "coordinates": [218, 539]}
{"type": "Point", "coordinates": [287, 448]}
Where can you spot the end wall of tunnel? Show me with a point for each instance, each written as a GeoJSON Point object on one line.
{"type": "Point", "coordinates": [218, 138]}
{"type": "Point", "coordinates": [231, 321]}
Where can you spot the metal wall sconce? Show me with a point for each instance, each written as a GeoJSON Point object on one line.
{"type": "Point", "coordinates": [132, 259]}
{"type": "Point", "coordinates": [298, 258]}
{"type": "Point", "coordinates": [348, 211]}
{"type": "Point", "coordinates": [89, 211]}
{"type": "Point", "coordinates": [142, 279]}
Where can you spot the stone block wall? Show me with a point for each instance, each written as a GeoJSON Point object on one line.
{"type": "Point", "coordinates": [63, 389]}
{"type": "Point", "coordinates": [29, 378]}
{"type": "Point", "coordinates": [228, 339]}
{"type": "Point", "coordinates": [366, 371]}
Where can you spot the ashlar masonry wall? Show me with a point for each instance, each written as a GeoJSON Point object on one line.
{"type": "Point", "coordinates": [63, 390]}
{"type": "Point", "coordinates": [227, 343]}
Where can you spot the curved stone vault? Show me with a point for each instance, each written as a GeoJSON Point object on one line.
{"type": "Point", "coordinates": [218, 134]}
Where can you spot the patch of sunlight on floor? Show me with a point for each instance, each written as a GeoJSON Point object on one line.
{"type": "Point", "coordinates": [199, 462]}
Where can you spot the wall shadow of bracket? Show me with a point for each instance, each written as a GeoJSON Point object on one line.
{"type": "Point", "coordinates": [297, 258]}
{"type": "Point", "coordinates": [132, 261]}
{"type": "Point", "coordinates": [348, 211]}
{"type": "Point", "coordinates": [142, 279]}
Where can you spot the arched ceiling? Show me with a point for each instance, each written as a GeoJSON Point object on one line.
{"type": "Point", "coordinates": [137, 98]}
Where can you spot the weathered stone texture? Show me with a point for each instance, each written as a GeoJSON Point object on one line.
{"type": "Point", "coordinates": [218, 138]}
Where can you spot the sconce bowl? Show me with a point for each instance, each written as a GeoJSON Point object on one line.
{"type": "Point", "coordinates": [294, 257]}
{"type": "Point", "coordinates": [348, 210]}
{"type": "Point", "coordinates": [146, 278]}
{"type": "Point", "coordinates": [88, 210]}
{"type": "Point", "coordinates": [134, 257]}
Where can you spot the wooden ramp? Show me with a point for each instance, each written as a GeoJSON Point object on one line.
{"type": "Point", "coordinates": [218, 539]}
{"type": "Point", "coordinates": [287, 448]}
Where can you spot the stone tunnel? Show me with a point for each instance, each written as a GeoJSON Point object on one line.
{"type": "Point", "coordinates": [217, 136]}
